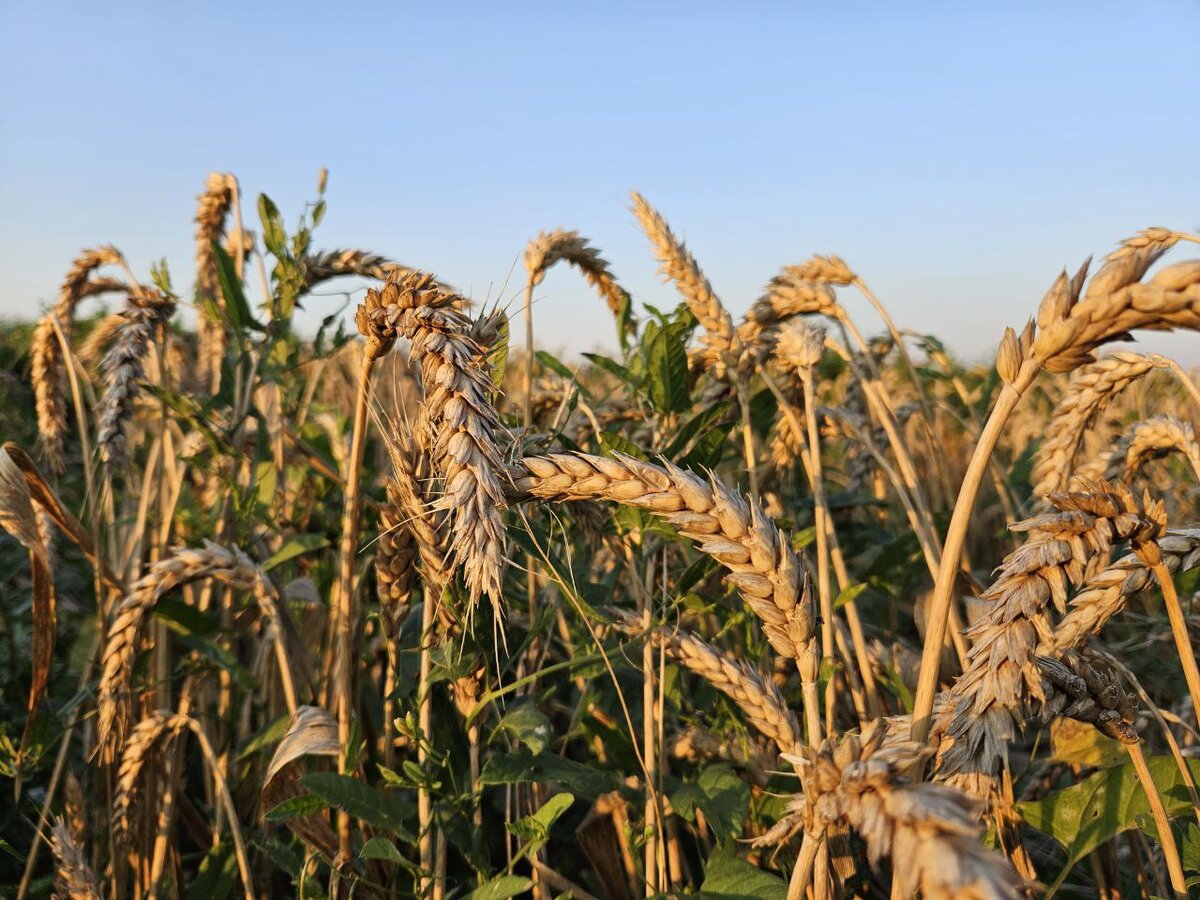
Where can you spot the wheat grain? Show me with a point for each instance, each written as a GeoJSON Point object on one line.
{"type": "Point", "coordinates": [74, 879]}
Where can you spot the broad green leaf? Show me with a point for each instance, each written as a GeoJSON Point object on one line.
{"type": "Point", "coordinates": [528, 725]}
{"type": "Point", "coordinates": [501, 888]}
{"type": "Point", "coordinates": [848, 593]}
{"type": "Point", "coordinates": [728, 877]}
{"type": "Point", "coordinates": [296, 808]}
{"type": "Point", "coordinates": [614, 368]}
{"type": "Point", "coordinates": [522, 766]}
{"type": "Point", "coordinates": [1085, 815]}
{"type": "Point", "coordinates": [534, 830]}
{"type": "Point", "coordinates": [667, 368]}
{"type": "Point", "coordinates": [297, 546]}
{"type": "Point", "coordinates": [552, 362]}
{"type": "Point", "coordinates": [236, 309]}
{"type": "Point", "coordinates": [383, 809]}
{"type": "Point", "coordinates": [721, 795]}
{"type": "Point", "coordinates": [1081, 744]}
{"type": "Point", "coordinates": [380, 848]}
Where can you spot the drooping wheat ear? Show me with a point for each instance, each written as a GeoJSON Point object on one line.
{"type": "Point", "coordinates": [1149, 439]}
{"type": "Point", "coordinates": [457, 415]}
{"type": "Point", "coordinates": [123, 366]}
{"type": "Point", "coordinates": [1086, 688]}
{"type": "Point", "coordinates": [182, 566]}
{"type": "Point", "coordinates": [560, 245]}
{"type": "Point", "coordinates": [155, 729]}
{"type": "Point", "coordinates": [787, 295]}
{"type": "Point", "coordinates": [211, 214]}
{"type": "Point", "coordinates": [411, 491]}
{"type": "Point", "coordinates": [1089, 392]}
{"type": "Point", "coordinates": [721, 343]}
{"type": "Point", "coordinates": [47, 365]}
{"type": "Point", "coordinates": [930, 831]}
{"type": "Point", "coordinates": [74, 879]}
{"type": "Point", "coordinates": [329, 264]}
{"type": "Point", "coordinates": [992, 697]}
{"type": "Point", "coordinates": [726, 526]}
{"type": "Point", "coordinates": [1106, 594]}
{"type": "Point", "coordinates": [755, 695]}
{"type": "Point", "coordinates": [395, 560]}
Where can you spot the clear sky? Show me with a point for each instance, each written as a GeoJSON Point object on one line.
{"type": "Point", "coordinates": [957, 155]}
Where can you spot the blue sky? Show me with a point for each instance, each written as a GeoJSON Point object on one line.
{"type": "Point", "coordinates": [957, 155]}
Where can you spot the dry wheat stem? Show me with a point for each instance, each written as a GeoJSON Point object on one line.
{"type": "Point", "coordinates": [1162, 822]}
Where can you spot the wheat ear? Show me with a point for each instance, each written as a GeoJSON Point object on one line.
{"type": "Point", "coordinates": [929, 831]}
{"type": "Point", "coordinates": [457, 414]}
{"type": "Point", "coordinates": [329, 264]}
{"type": "Point", "coordinates": [1149, 439]}
{"type": "Point", "coordinates": [570, 247]}
{"type": "Point", "coordinates": [991, 698]}
{"type": "Point", "coordinates": [757, 697]}
{"type": "Point", "coordinates": [75, 879]}
{"type": "Point", "coordinates": [721, 342]}
{"type": "Point", "coordinates": [182, 566]}
{"type": "Point", "coordinates": [145, 314]}
{"type": "Point", "coordinates": [213, 206]}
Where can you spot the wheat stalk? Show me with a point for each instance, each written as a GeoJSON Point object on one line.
{"type": "Point", "coordinates": [757, 697]}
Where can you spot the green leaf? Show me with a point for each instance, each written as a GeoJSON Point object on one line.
{"type": "Point", "coordinates": [237, 310]}
{"type": "Point", "coordinates": [216, 875]}
{"type": "Point", "coordinates": [611, 442]}
{"type": "Point", "coordinates": [613, 368]}
{"type": "Point", "coordinates": [297, 546]}
{"type": "Point", "coordinates": [184, 619]}
{"type": "Point", "coordinates": [552, 362]}
{"type": "Point", "coordinates": [1087, 814]}
{"type": "Point", "coordinates": [534, 830]}
{"type": "Point", "coordinates": [726, 876]}
{"type": "Point", "coordinates": [380, 848]}
{"type": "Point", "coordinates": [274, 234]}
{"type": "Point", "coordinates": [522, 766]}
{"type": "Point", "coordinates": [667, 368]}
{"type": "Point", "coordinates": [848, 593]}
{"type": "Point", "coordinates": [296, 808]}
{"type": "Point", "coordinates": [1189, 848]}
{"type": "Point", "coordinates": [501, 888]}
{"type": "Point", "coordinates": [721, 795]}
{"type": "Point", "coordinates": [382, 809]}
{"type": "Point", "coordinates": [528, 725]}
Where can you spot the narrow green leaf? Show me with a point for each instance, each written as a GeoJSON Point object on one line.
{"type": "Point", "coordinates": [501, 888]}
{"type": "Point", "coordinates": [296, 546]}
{"type": "Point", "coordinates": [380, 848]}
{"type": "Point", "coordinates": [296, 808]}
{"type": "Point", "coordinates": [382, 809]}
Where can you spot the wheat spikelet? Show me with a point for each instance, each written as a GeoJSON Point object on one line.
{"type": "Point", "coordinates": [123, 368]}
{"type": "Point", "coordinates": [757, 697]}
{"type": "Point", "coordinates": [560, 245]}
{"type": "Point", "coordinates": [144, 739]}
{"type": "Point", "coordinates": [329, 264]}
{"type": "Point", "coordinates": [183, 566]}
{"type": "Point", "coordinates": [213, 208]}
{"type": "Point", "coordinates": [930, 831]}
{"type": "Point", "coordinates": [733, 531]}
{"type": "Point", "coordinates": [47, 366]}
{"type": "Point", "coordinates": [1149, 439]}
{"type": "Point", "coordinates": [991, 697]}
{"type": "Point", "coordinates": [74, 878]}
{"type": "Point", "coordinates": [457, 414]}
{"type": "Point", "coordinates": [1090, 391]}
{"type": "Point", "coordinates": [721, 343]}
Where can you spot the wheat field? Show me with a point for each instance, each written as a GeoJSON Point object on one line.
{"type": "Point", "coordinates": [787, 605]}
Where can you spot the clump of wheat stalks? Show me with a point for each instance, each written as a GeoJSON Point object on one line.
{"type": "Point", "coordinates": [722, 346]}
{"type": "Point", "coordinates": [570, 247]}
{"type": "Point", "coordinates": [145, 314]}
{"type": "Point", "coordinates": [732, 530]}
{"type": "Point", "coordinates": [1091, 389]}
{"type": "Point", "coordinates": [75, 879]}
{"type": "Point", "coordinates": [991, 697]}
{"type": "Point", "coordinates": [929, 831]}
{"type": "Point", "coordinates": [1071, 325]}
{"type": "Point", "coordinates": [47, 365]}
{"type": "Point", "coordinates": [458, 418]}
{"type": "Point", "coordinates": [757, 697]}
{"type": "Point", "coordinates": [183, 566]}
{"type": "Point", "coordinates": [220, 191]}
